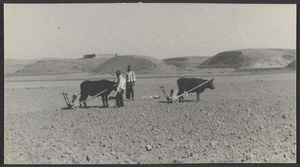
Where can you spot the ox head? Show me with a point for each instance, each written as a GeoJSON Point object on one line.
{"type": "Point", "coordinates": [210, 84]}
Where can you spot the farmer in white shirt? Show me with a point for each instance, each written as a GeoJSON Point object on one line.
{"type": "Point", "coordinates": [120, 89]}
{"type": "Point", "coordinates": [130, 80]}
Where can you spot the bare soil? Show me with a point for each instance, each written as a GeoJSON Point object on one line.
{"type": "Point", "coordinates": [246, 119]}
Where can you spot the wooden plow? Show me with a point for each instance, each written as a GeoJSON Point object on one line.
{"type": "Point", "coordinates": [171, 99]}
{"type": "Point", "coordinates": [67, 100]}
{"type": "Point", "coordinates": [166, 94]}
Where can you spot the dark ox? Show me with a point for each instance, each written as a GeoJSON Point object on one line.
{"type": "Point", "coordinates": [186, 84]}
{"type": "Point", "coordinates": [92, 88]}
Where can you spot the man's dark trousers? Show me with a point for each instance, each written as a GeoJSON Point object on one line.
{"type": "Point", "coordinates": [119, 99]}
{"type": "Point", "coordinates": [129, 90]}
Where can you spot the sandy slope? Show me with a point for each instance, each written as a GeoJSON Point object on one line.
{"type": "Point", "coordinates": [246, 119]}
{"type": "Point", "coordinates": [186, 62]}
{"type": "Point", "coordinates": [13, 65]}
{"type": "Point", "coordinates": [292, 65]}
{"type": "Point", "coordinates": [140, 64]}
{"type": "Point", "coordinates": [251, 59]}
{"type": "Point", "coordinates": [59, 66]}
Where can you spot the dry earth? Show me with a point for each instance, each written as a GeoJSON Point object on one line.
{"type": "Point", "coordinates": [246, 119]}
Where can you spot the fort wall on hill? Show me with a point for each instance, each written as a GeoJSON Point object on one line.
{"type": "Point", "coordinates": [94, 55]}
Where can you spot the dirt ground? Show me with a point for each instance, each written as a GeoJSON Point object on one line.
{"type": "Point", "coordinates": [245, 119]}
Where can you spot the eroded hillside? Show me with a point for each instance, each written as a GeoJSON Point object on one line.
{"type": "Point", "coordinates": [251, 59]}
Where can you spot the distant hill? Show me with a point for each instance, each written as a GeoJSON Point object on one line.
{"type": "Point", "coordinates": [229, 61]}
{"type": "Point", "coordinates": [140, 64]}
{"type": "Point", "coordinates": [291, 65]}
{"type": "Point", "coordinates": [13, 65]}
{"type": "Point", "coordinates": [59, 66]}
{"type": "Point", "coordinates": [186, 62]}
{"type": "Point", "coordinates": [103, 65]}
{"type": "Point", "coordinates": [246, 59]}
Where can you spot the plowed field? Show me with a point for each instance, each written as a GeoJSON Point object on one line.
{"type": "Point", "coordinates": [245, 119]}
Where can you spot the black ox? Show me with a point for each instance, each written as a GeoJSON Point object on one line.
{"type": "Point", "coordinates": [92, 88]}
{"type": "Point", "coordinates": [186, 84]}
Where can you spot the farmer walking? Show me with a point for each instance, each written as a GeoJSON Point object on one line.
{"type": "Point", "coordinates": [120, 89]}
{"type": "Point", "coordinates": [130, 80]}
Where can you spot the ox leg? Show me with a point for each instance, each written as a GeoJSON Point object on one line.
{"type": "Point", "coordinates": [85, 106]}
{"type": "Point", "coordinates": [198, 97]}
{"type": "Point", "coordinates": [181, 99]}
{"type": "Point", "coordinates": [104, 100]}
{"type": "Point", "coordinates": [82, 98]}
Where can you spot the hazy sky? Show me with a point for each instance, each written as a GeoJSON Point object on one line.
{"type": "Point", "coordinates": [158, 30]}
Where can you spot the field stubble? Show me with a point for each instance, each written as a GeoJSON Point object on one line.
{"type": "Point", "coordinates": [246, 119]}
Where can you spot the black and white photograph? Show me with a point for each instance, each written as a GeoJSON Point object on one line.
{"type": "Point", "coordinates": [149, 83]}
